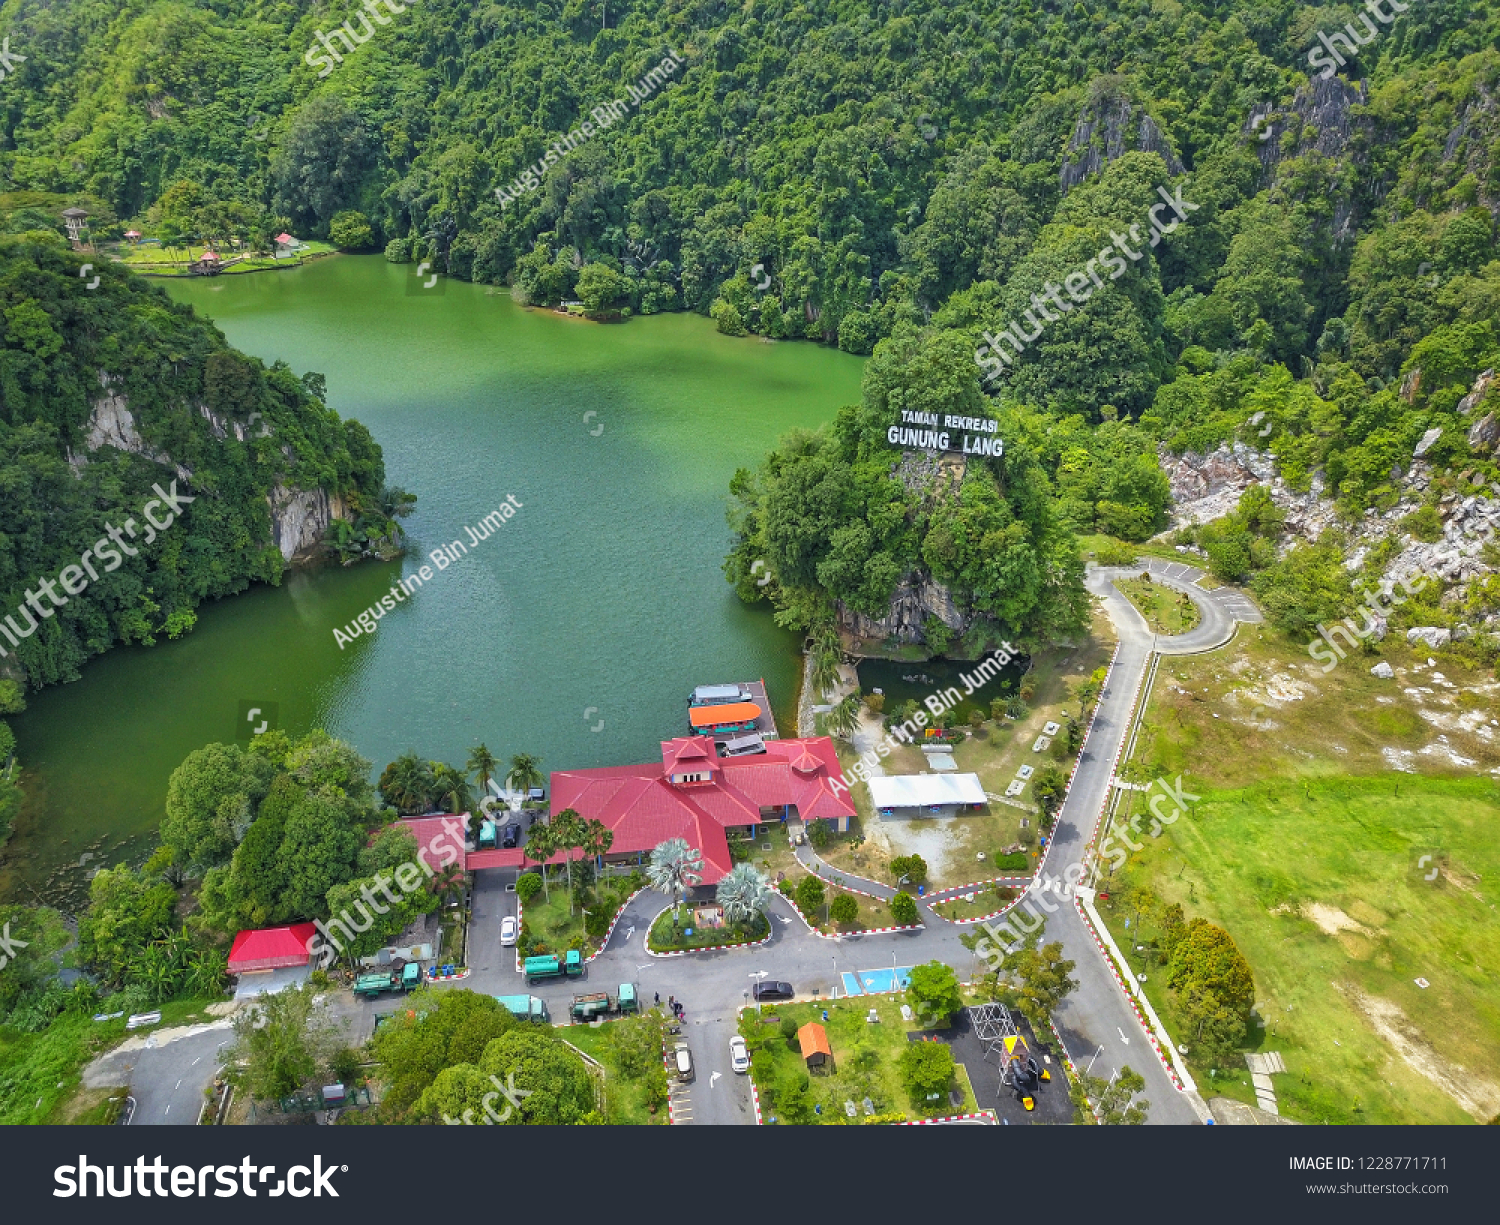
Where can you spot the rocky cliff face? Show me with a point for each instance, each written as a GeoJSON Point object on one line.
{"type": "Point", "coordinates": [917, 597]}
{"type": "Point", "coordinates": [1322, 123]}
{"type": "Point", "coordinates": [931, 475]}
{"type": "Point", "coordinates": [299, 517]}
{"type": "Point", "coordinates": [1107, 129]}
{"type": "Point", "coordinates": [1206, 487]}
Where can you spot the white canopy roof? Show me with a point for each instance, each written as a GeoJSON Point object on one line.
{"type": "Point", "coordinates": [925, 790]}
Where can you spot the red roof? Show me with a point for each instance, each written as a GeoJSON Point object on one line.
{"type": "Point", "coordinates": [285, 238]}
{"type": "Point", "coordinates": [643, 808]}
{"type": "Point", "coordinates": [271, 948]}
{"type": "Point", "coordinates": [132, 233]}
{"type": "Point", "coordinates": [440, 839]}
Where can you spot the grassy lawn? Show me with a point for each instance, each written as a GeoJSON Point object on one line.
{"type": "Point", "coordinates": [848, 1034]}
{"type": "Point", "coordinates": [549, 922]}
{"type": "Point", "coordinates": [986, 901]}
{"type": "Point", "coordinates": [1318, 794]}
{"type": "Point", "coordinates": [626, 1095]}
{"type": "Point", "coordinates": [1166, 610]}
{"type": "Point", "coordinates": [664, 939]}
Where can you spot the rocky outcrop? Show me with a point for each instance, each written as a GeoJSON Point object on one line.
{"type": "Point", "coordinates": [300, 519]}
{"type": "Point", "coordinates": [1322, 121]}
{"type": "Point", "coordinates": [1430, 636]}
{"type": "Point", "coordinates": [1106, 131]}
{"type": "Point", "coordinates": [1429, 440]}
{"type": "Point", "coordinates": [1485, 434]}
{"type": "Point", "coordinates": [1206, 487]}
{"type": "Point", "coordinates": [1477, 393]}
{"type": "Point", "coordinates": [917, 597]}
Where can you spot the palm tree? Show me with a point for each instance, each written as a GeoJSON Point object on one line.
{"type": "Point", "coordinates": [407, 784]}
{"type": "Point", "coordinates": [597, 838]}
{"type": "Point", "coordinates": [525, 772]}
{"type": "Point", "coordinates": [452, 787]}
{"type": "Point", "coordinates": [395, 504]}
{"type": "Point", "coordinates": [674, 868]}
{"type": "Point", "coordinates": [825, 667]}
{"type": "Point", "coordinates": [743, 893]}
{"type": "Point", "coordinates": [541, 845]}
{"type": "Point", "coordinates": [569, 830]}
{"type": "Point", "coordinates": [844, 718]}
{"type": "Point", "coordinates": [481, 765]}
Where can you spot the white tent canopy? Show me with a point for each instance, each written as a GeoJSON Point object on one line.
{"type": "Point", "coordinates": [925, 790]}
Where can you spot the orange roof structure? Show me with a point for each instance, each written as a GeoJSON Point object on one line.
{"type": "Point", "coordinates": [713, 716]}
{"type": "Point", "coordinates": [812, 1038]}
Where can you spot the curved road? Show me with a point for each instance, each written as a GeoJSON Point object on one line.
{"type": "Point", "coordinates": [1095, 1020]}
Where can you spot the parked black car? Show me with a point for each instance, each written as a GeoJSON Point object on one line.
{"type": "Point", "coordinates": [772, 990]}
{"type": "Point", "coordinates": [511, 837]}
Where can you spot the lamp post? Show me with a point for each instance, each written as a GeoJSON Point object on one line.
{"type": "Point", "coordinates": [758, 976]}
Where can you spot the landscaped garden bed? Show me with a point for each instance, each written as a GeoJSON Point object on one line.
{"type": "Point", "coordinates": [682, 928]}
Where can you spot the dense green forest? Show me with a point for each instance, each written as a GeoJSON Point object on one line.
{"type": "Point", "coordinates": [197, 436]}
{"type": "Point", "coordinates": [856, 172]}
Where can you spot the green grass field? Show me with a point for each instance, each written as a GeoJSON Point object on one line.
{"type": "Point", "coordinates": [1315, 881]}
{"type": "Point", "coordinates": [849, 1033]}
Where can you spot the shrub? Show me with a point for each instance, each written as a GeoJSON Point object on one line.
{"type": "Point", "coordinates": [1115, 553]}
{"type": "Point", "coordinates": [350, 230]}
{"type": "Point", "coordinates": [904, 909]}
{"type": "Point", "coordinates": [997, 709]}
{"type": "Point", "coordinates": [528, 885]}
{"type": "Point", "coordinates": [1017, 861]}
{"type": "Point", "coordinates": [911, 866]}
{"type": "Point", "coordinates": [926, 1070]}
{"type": "Point", "coordinates": [819, 834]}
{"type": "Point", "coordinates": [844, 909]}
{"type": "Point", "coordinates": [788, 1029]}
{"type": "Point", "coordinates": [728, 317]}
{"type": "Point", "coordinates": [398, 251]}
{"type": "Point", "coordinates": [809, 895]}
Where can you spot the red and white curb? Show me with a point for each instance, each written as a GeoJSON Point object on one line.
{"type": "Point", "coordinates": [949, 1118]}
{"type": "Point", "coordinates": [448, 978]}
{"type": "Point", "coordinates": [1140, 1016]}
{"type": "Point", "coordinates": [755, 1101]}
{"type": "Point", "coordinates": [948, 895]}
{"type": "Point", "coordinates": [666, 1066]}
{"type": "Point", "coordinates": [713, 948]}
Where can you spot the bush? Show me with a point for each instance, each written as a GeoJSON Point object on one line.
{"type": "Point", "coordinates": [1115, 553]}
{"type": "Point", "coordinates": [926, 1072]}
{"type": "Point", "coordinates": [350, 231]}
{"type": "Point", "coordinates": [528, 885]}
{"type": "Point", "coordinates": [1015, 707]}
{"type": "Point", "coordinates": [788, 1029]}
{"type": "Point", "coordinates": [728, 317]}
{"type": "Point", "coordinates": [1017, 861]}
{"type": "Point", "coordinates": [819, 834]}
{"type": "Point", "coordinates": [844, 910]}
{"type": "Point", "coordinates": [810, 895]}
{"type": "Point", "coordinates": [912, 866]}
{"type": "Point", "coordinates": [904, 909]}
{"type": "Point", "coordinates": [398, 251]}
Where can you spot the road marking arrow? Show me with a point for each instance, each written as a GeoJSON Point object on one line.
{"type": "Point", "coordinates": [1123, 1038]}
{"type": "Point", "coordinates": [715, 1076]}
{"type": "Point", "coordinates": [629, 933]}
{"type": "Point", "coordinates": [783, 918]}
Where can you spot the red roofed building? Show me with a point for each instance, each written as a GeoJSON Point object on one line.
{"type": "Point", "coordinates": [440, 840]}
{"type": "Point", "coordinates": [272, 948]}
{"type": "Point", "coordinates": [694, 794]}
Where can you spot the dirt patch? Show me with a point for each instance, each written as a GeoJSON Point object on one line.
{"type": "Point", "coordinates": [1331, 920]}
{"type": "Point", "coordinates": [1479, 1097]}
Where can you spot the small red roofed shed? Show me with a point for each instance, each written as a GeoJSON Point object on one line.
{"type": "Point", "coordinates": [271, 948]}
{"type": "Point", "coordinates": [812, 1040]}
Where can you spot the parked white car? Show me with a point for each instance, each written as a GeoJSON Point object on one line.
{"type": "Point", "coordinates": [510, 930]}
{"type": "Point", "coordinates": [739, 1054]}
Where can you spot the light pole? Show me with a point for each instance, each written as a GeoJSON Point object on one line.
{"type": "Point", "coordinates": [758, 976]}
{"type": "Point", "coordinates": [835, 960]}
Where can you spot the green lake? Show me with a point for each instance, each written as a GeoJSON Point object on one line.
{"type": "Point", "coordinates": [600, 604]}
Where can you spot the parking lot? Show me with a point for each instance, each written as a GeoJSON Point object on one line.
{"type": "Point", "coordinates": [717, 1097]}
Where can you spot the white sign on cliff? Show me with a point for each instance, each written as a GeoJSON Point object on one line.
{"type": "Point", "coordinates": [933, 432]}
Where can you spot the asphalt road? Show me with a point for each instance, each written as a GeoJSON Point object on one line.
{"type": "Point", "coordinates": [1097, 1023]}
{"type": "Point", "coordinates": [167, 1072]}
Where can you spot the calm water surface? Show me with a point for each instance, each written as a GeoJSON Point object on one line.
{"type": "Point", "coordinates": [602, 600]}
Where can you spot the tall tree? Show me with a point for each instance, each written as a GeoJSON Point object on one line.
{"type": "Point", "coordinates": [675, 867]}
